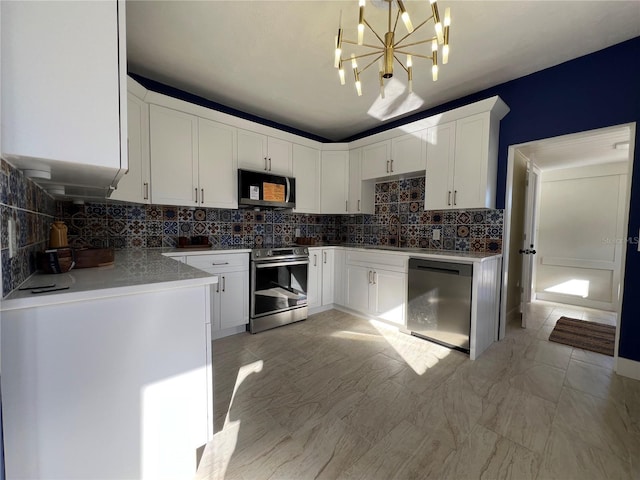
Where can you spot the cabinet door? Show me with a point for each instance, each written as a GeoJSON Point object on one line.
{"type": "Point", "coordinates": [174, 156]}
{"type": "Point", "coordinates": [440, 160]}
{"type": "Point", "coordinates": [217, 165]}
{"type": "Point", "coordinates": [389, 295]}
{"type": "Point", "coordinates": [471, 162]}
{"type": "Point", "coordinates": [134, 185]}
{"type": "Point", "coordinates": [334, 182]}
{"type": "Point", "coordinates": [314, 278]}
{"type": "Point", "coordinates": [306, 171]}
{"type": "Point", "coordinates": [234, 299]}
{"type": "Point", "coordinates": [279, 153]}
{"type": "Point", "coordinates": [339, 267]}
{"type": "Point", "coordinates": [252, 151]}
{"type": "Point", "coordinates": [376, 160]}
{"type": "Point", "coordinates": [408, 153]}
{"type": "Point", "coordinates": [327, 276]}
{"type": "Point", "coordinates": [361, 194]}
{"type": "Point", "coordinates": [357, 280]}
{"type": "Point", "coordinates": [52, 108]}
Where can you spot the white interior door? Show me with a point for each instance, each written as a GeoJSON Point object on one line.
{"type": "Point", "coordinates": [527, 250]}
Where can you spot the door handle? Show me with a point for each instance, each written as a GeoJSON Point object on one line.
{"type": "Point", "coordinates": [527, 251]}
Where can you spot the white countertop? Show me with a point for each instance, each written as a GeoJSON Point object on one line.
{"type": "Point", "coordinates": [134, 271]}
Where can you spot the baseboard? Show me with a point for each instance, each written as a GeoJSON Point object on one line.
{"type": "Point", "coordinates": [217, 334]}
{"type": "Point", "coordinates": [628, 368]}
{"type": "Point", "coordinates": [574, 301]}
{"type": "Point", "coordinates": [324, 308]}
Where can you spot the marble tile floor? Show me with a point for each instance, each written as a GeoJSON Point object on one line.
{"type": "Point", "coordinates": [340, 397]}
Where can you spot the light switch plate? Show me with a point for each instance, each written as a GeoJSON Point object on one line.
{"type": "Point", "coordinates": [13, 237]}
{"type": "Point", "coordinates": [435, 234]}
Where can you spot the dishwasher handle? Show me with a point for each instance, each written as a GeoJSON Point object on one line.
{"type": "Point", "coordinates": [461, 269]}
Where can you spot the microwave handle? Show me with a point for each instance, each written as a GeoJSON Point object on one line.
{"type": "Point", "coordinates": [288, 189]}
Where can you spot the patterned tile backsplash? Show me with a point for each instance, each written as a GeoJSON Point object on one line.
{"type": "Point", "coordinates": [33, 210]}
{"type": "Point", "coordinates": [399, 220]}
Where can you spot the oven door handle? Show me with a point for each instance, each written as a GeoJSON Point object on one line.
{"type": "Point", "coordinates": [281, 264]}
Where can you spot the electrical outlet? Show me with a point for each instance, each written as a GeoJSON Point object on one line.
{"type": "Point", "coordinates": [13, 238]}
{"type": "Point", "coordinates": [435, 234]}
{"type": "Point", "coordinates": [298, 232]}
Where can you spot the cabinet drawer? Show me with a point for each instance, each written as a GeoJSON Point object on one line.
{"type": "Point", "coordinates": [223, 262]}
{"type": "Point", "coordinates": [397, 263]}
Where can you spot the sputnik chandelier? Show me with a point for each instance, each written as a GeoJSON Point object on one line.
{"type": "Point", "coordinates": [388, 50]}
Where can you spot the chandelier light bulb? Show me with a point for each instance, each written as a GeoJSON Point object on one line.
{"type": "Point", "coordinates": [445, 54]}
{"type": "Point", "coordinates": [447, 17]}
{"type": "Point", "coordinates": [354, 63]}
{"type": "Point", "coordinates": [359, 88]}
{"type": "Point", "coordinates": [341, 74]}
{"type": "Point", "coordinates": [434, 72]}
{"type": "Point", "coordinates": [360, 33]}
{"type": "Point", "coordinates": [409, 61]}
{"type": "Point", "coordinates": [439, 33]}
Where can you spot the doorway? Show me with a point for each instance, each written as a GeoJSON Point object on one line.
{"type": "Point", "coordinates": [576, 259]}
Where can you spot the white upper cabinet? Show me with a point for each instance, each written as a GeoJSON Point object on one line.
{"type": "Point", "coordinates": [64, 87]}
{"type": "Point", "coordinates": [462, 163]}
{"type": "Point", "coordinates": [262, 153]}
{"type": "Point", "coordinates": [361, 195]}
{"type": "Point", "coordinates": [399, 156]}
{"type": "Point", "coordinates": [306, 171]}
{"type": "Point", "coordinates": [134, 186]}
{"type": "Point", "coordinates": [193, 160]}
{"type": "Point", "coordinates": [376, 160]}
{"type": "Point", "coordinates": [217, 165]}
{"type": "Point", "coordinates": [174, 156]}
{"type": "Point", "coordinates": [334, 182]}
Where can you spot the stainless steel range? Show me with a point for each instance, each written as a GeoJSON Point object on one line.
{"type": "Point", "coordinates": [278, 287]}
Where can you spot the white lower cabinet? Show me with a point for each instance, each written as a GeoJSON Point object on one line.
{"type": "Point", "coordinates": [230, 299]}
{"type": "Point", "coordinates": [376, 285]}
{"type": "Point", "coordinates": [321, 281]}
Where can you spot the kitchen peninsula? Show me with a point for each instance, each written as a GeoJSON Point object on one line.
{"type": "Point", "coordinates": [105, 378]}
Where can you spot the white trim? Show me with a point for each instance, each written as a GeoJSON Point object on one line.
{"type": "Point", "coordinates": [627, 368]}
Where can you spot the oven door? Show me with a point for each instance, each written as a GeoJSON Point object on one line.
{"type": "Point", "coordinates": [277, 286]}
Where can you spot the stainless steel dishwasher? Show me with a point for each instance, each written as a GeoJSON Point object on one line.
{"type": "Point", "coordinates": [439, 300]}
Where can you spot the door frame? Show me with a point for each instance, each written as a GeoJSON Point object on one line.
{"type": "Point", "coordinates": [507, 228]}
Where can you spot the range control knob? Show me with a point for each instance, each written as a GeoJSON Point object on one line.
{"type": "Point", "coordinates": [256, 253]}
{"type": "Point", "coordinates": [269, 253]}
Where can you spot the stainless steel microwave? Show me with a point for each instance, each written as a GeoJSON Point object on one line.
{"type": "Point", "coordinates": [259, 189]}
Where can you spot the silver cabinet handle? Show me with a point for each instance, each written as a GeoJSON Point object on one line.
{"type": "Point", "coordinates": [315, 260]}
{"type": "Point", "coordinates": [146, 190]}
{"type": "Point", "coordinates": [265, 163]}
{"type": "Point", "coordinates": [346, 205]}
{"type": "Point", "coordinates": [449, 198]}
{"type": "Point", "coordinates": [455, 196]}
{"type": "Point", "coordinates": [392, 165]}
{"type": "Point", "coordinates": [370, 281]}
{"type": "Point", "coordinates": [196, 194]}
{"type": "Point", "coordinates": [224, 284]}
{"type": "Point", "coordinates": [375, 278]}
{"type": "Point", "coordinates": [358, 205]}
{"type": "Point", "coordinates": [269, 164]}
{"type": "Point", "coordinates": [202, 195]}
{"type": "Point", "coordinates": [217, 288]}
{"type": "Point", "coordinates": [387, 166]}
{"type": "Point", "coordinates": [324, 254]}
{"type": "Point", "coordinates": [220, 263]}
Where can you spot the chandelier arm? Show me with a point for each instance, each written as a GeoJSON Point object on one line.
{"type": "Point", "coordinates": [395, 25]}
{"type": "Point", "coordinates": [414, 31]}
{"type": "Point", "coordinates": [414, 55]}
{"type": "Point", "coordinates": [401, 64]}
{"type": "Point", "coordinates": [362, 56]}
{"type": "Point", "coordinates": [374, 61]}
{"type": "Point", "coordinates": [374, 32]}
{"type": "Point", "coordinates": [421, 42]}
{"type": "Point", "coordinates": [378, 47]}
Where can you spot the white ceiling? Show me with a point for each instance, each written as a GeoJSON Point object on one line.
{"type": "Point", "coordinates": [580, 149]}
{"type": "Point", "coordinates": [274, 59]}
